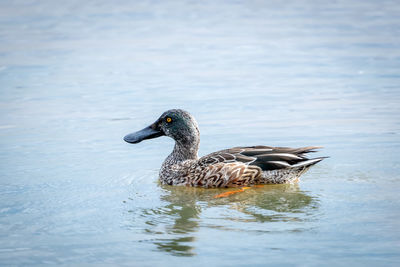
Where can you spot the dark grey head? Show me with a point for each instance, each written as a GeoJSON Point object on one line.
{"type": "Point", "coordinates": [175, 123]}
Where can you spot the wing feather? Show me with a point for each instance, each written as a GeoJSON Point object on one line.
{"type": "Point", "coordinates": [264, 157]}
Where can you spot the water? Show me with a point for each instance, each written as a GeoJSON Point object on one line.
{"type": "Point", "coordinates": [76, 77]}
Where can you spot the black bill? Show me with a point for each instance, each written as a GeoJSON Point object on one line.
{"type": "Point", "coordinates": [147, 133]}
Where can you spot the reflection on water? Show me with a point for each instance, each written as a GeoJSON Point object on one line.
{"type": "Point", "coordinates": [181, 213]}
{"type": "Point", "coordinates": [278, 203]}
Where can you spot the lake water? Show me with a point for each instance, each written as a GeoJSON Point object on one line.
{"type": "Point", "coordinates": [76, 76]}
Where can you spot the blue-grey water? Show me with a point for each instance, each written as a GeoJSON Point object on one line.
{"type": "Point", "coordinates": [76, 76]}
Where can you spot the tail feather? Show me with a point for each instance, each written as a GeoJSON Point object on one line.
{"type": "Point", "coordinates": [308, 163]}
{"type": "Point", "coordinates": [307, 149]}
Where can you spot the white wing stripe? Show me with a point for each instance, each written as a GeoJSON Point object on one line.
{"type": "Point", "coordinates": [308, 162]}
{"type": "Point", "coordinates": [280, 163]}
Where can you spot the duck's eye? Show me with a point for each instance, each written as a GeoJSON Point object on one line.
{"type": "Point", "coordinates": [168, 119]}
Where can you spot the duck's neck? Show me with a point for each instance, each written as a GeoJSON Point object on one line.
{"type": "Point", "coordinates": [184, 151]}
{"type": "Point", "coordinates": [180, 154]}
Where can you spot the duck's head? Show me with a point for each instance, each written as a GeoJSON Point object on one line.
{"type": "Point", "coordinates": [175, 123]}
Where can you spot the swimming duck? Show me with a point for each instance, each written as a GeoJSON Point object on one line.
{"type": "Point", "coordinates": [233, 167]}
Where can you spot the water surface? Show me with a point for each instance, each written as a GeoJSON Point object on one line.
{"type": "Point", "coordinates": [76, 77]}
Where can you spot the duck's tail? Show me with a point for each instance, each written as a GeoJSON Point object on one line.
{"type": "Point", "coordinates": [290, 174]}
{"type": "Point", "coordinates": [308, 163]}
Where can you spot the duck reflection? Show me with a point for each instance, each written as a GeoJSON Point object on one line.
{"type": "Point", "coordinates": [276, 203]}
{"type": "Point", "coordinates": [183, 208]}
{"type": "Point", "coordinates": [180, 218]}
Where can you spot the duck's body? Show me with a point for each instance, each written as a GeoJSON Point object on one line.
{"type": "Point", "coordinates": [238, 166]}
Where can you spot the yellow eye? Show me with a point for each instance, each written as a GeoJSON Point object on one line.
{"type": "Point", "coordinates": [168, 119]}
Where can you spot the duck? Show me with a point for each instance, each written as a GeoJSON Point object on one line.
{"type": "Point", "coordinates": [233, 167]}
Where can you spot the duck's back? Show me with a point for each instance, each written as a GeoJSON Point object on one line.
{"type": "Point", "coordinates": [241, 166]}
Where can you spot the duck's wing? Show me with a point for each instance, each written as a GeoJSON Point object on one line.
{"type": "Point", "coordinates": [241, 166]}
{"type": "Point", "coordinates": [224, 174]}
{"type": "Point", "coordinates": [265, 157]}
